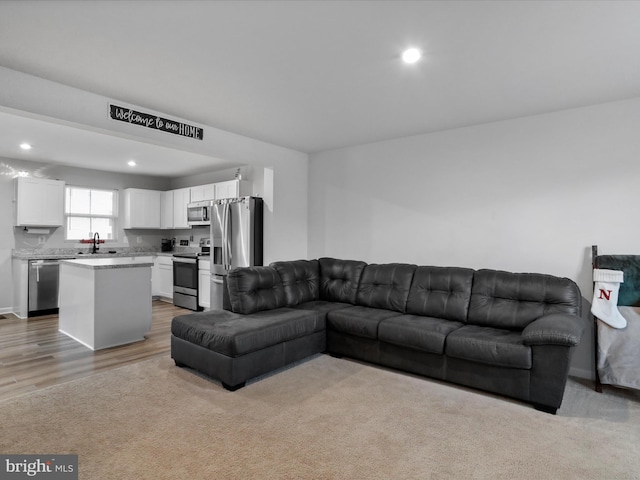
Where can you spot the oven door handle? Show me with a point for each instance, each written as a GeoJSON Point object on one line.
{"type": "Point", "coordinates": [185, 260]}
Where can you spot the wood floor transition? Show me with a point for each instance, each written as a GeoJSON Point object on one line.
{"type": "Point", "coordinates": [34, 355]}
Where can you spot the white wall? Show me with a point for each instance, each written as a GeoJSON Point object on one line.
{"type": "Point", "coordinates": [525, 195]}
{"type": "Point", "coordinates": [6, 237]}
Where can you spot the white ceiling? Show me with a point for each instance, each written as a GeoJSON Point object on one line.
{"type": "Point", "coordinates": [318, 75]}
{"type": "Point", "coordinates": [64, 145]}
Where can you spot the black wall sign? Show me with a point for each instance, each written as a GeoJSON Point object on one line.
{"type": "Point", "coordinates": [128, 115]}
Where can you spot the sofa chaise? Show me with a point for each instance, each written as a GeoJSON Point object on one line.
{"type": "Point", "coordinates": [508, 333]}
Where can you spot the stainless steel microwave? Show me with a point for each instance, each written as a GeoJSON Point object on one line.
{"type": "Point", "coordinates": [199, 213]}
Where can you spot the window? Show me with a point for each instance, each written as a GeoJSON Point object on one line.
{"type": "Point", "coordinates": [89, 210]}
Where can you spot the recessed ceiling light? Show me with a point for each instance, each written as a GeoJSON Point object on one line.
{"type": "Point", "coordinates": [411, 55]}
{"type": "Point", "coordinates": [25, 146]}
{"type": "Point", "coordinates": [131, 163]}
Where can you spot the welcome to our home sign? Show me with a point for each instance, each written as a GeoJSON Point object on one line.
{"type": "Point", "coordinates": [148, 120]}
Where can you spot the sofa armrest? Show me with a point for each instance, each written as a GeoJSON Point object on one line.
{"type": "Point", "coordinates": [554, 329]}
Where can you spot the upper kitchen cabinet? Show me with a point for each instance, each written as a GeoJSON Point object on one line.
{"type": "Point", "coordinates": [166, 209]}
{"type": "Point", "coordinates": [39, 202]}
{"type": "Point", "coordinates": [141, 208]}
{"type": "Point", "coordinates": [232, 189]}
{"type": "Point", "coordinates": [216, 191]}
{"type": "Point", "coordinates": [181, 199]}
{"type": "Point", "coordinates": [203, 192]}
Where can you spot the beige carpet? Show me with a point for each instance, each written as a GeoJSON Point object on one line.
{"type": "Point", "coordinates": [325, 418]}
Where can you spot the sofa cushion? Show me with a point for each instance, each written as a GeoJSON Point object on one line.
{"type": "Point", "coordinates": [513, 300]}
{"type": "Point", "coordinates": [300, 279]}
{"type": "Point", "coordinates": [441, 292]}
{"type": "Point", "coordinates": [233, 334]}
{"type": "Point", "coordinates": [358, 321]}
{"type": "Point", "coordinates": [385, 286]}
{"type": "Point", "coordinates": [491, 346]}
{"type": "Point", "coordinates": [252, 289]}
{"type": "Point", "coordinates": [420, 333]}
{"type": "Point", "coordinates": [321, 306]}
{"type": "Point", "coordinates": [339, 279]}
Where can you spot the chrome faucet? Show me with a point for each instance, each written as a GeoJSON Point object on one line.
{"type": "Point", "coordinates": [95, 243]}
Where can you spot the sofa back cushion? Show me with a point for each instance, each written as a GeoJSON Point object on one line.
{"type": "Point", "coordinates": [442, 292]}
{"type": "Point", "coordinates": [339, 279]}
{"type": "Point", "coordinates": [385, 286]}
{"type": "Point", "coordinates": [253, 289]}
{"type": "Point", "coordinates": [300, 279]}
{"type": "Point", "coordinates": [513, 300]}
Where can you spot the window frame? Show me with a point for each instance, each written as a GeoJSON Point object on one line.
{"type": "Point", "coordinates": [113, 217]}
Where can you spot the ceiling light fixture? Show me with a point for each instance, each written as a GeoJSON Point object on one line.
{"type": "Point", "coordinates": [131, 163]}
{"type": "Point", "coordinates": [411, 55]}
{"type": "Point", "coordinates": [25, 146]}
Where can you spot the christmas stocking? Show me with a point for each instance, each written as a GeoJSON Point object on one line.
{"type": "Point", "coordinates": [605, 297]}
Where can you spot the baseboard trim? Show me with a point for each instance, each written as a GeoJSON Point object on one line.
{"type": "Point", "coordinates": [582, 373]}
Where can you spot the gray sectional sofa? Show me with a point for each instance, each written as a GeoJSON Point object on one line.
{"type": "Point", "coordinates": [508, 333]}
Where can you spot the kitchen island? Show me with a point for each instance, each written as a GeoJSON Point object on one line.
{"type": "Point", "coordinates": [105, 302]}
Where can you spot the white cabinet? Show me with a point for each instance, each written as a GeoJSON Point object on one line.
{"type": "Point", "coordinates": [155, 278]}
{"type": "Point", "coordinates": [181, 199]}
{"type": "Point", "coordinates": [173, 208]}
{"type": "Point", "coordinates": [215, 191]}
{"type": "Point", "coordinates": [166, 209]}
{"type": "Point", "coordinates": [204, 283]}
{"type": "Point", "coordinates": [233, 189]}
{"type": "Point", "coordinates": [141, 208]}
{"type": "Point", "coordinates": [164, 276]}
{"type": "Point", "coordinates": [20, 287]}
{"type": "Point", "coordinates": [203, 192]}
{"type": "Point", "coordinates": [149, 259]}
{"type": "Point", "coordinates": [39, 202]}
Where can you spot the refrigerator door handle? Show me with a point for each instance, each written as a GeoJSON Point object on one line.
{"type": "Point", "coordinates": [225, 210]}
{"type": "Point", "coordinates": [224, 236]}
{"type": "Point", "coordinates": [229, 239]}
{"type": "Point", "coordinates": [223, 245]}
{"type": "Point", "coordinates": [226, 244]}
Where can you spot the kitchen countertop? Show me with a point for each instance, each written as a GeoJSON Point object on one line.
{"type": "Point", "coordinates": [100, 263]}
{"type": "Point", "coordinates": [67, 255]}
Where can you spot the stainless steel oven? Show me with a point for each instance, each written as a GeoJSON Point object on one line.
{"type": "Point", "coordinates": [185, 281]}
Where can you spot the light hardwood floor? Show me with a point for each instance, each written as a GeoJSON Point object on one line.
{"type": "Point", "coordinates": [34, 355]}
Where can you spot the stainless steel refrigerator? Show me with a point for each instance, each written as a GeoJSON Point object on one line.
{"type": "Point", "coordinates": [236, 241]}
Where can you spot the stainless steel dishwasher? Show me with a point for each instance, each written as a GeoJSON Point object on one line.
{"type": "Point", "coordinates": [43, 287]}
